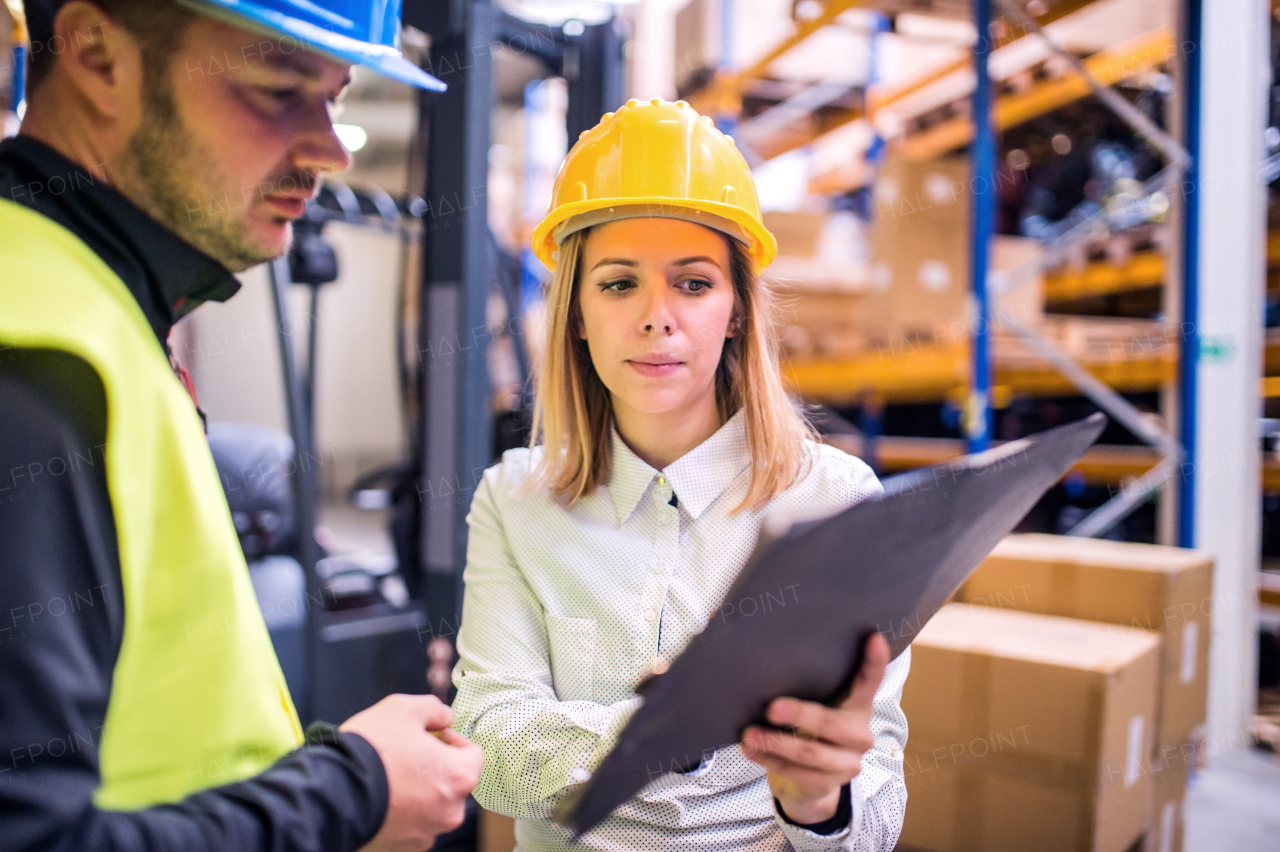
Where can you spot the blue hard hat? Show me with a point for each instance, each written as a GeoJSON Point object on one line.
{"type": "Point", "coordinates": [362, 32]}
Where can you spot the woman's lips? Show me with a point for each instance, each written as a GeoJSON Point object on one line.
{"type": "Point", "coordinates": [645, 368]}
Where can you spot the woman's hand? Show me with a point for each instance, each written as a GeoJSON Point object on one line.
{"type": "Point", "coordinates": [807, 768]}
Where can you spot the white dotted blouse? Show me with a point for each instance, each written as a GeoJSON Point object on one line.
{"type": "Point", "coordinates": [567, 608]}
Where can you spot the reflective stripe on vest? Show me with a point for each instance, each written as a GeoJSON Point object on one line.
{"type": "Point", "coordinates": [197, 697]}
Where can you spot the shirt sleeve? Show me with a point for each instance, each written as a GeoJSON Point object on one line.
{"type": "Point", "coordinates": [61, 622]}
{"type": "Point", "coordinates": [879, 793]}
{"type": "Point", "coordinates": [535, 745]}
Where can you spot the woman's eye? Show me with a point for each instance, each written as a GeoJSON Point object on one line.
{"type": "Point", "coordinates": [617, 286]}
{"type": "Point", "coordinates": [696, 285]}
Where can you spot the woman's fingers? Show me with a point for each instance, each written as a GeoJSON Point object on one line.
{"type": "Point", "coordinates": [812, 755]}
{"type": "Point", "coordinates": [845, 725]}
{"type": "Point", "coordinates": [804, 778]}
{"type": "Point", "coordinates": [841, 726]}
{"type": "Point", "coordinates": [875, 659]}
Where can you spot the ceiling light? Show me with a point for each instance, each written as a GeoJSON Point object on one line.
{"type": "Point", "coordinates": [352, 136]}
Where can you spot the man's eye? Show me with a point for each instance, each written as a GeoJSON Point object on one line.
{"type": "Point", "coordinates": [285, 94]}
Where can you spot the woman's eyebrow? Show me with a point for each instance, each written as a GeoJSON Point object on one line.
{"type": "Point", "coordinates": [702, 258]}
{"type": "Point", "coordinates": [614, 261]}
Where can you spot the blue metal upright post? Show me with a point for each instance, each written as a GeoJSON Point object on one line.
{"type": "Point", "coordinates": [977, 419]}
{"type": "Point", "coordinates": [725, 123]}
{"type": "Point", "coordinates": [1189, 355]}
{"type": "Point", "coordinates": [19, 78]}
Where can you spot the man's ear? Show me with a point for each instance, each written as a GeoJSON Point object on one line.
{"type": "Point", "coordinates": [99, 59]}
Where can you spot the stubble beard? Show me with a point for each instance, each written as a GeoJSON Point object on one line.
{"type": "Point", "coordinates": [176, 183]}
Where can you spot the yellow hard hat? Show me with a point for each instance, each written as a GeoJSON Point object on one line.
{"type": "Point", "coordinates": [655, 159]}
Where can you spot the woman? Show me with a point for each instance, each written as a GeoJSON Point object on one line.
{"type": "Point", "coordinates": [665, 437]}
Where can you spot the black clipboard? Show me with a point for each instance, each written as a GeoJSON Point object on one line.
{"type": "Point", "coordinates": [795, 620]}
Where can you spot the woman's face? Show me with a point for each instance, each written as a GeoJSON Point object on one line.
{"type": "Point", "coordinates": [657, 300]}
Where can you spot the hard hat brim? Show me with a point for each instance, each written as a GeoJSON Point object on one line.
{"type": "Point", "coordinates": [385, 60]}
{"type": "Point", "coordinates": [762, 248]}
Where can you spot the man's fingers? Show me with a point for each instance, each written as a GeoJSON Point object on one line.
{"type": "Point", "coordinates": [875, 658]}
{"type": "Point", "coordinates": [435, 714]}
{"type": "Point", "coordinates": [449, 736]}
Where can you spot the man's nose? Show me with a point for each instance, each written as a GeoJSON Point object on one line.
{"type": "Point", "coordinates": [318, 148]}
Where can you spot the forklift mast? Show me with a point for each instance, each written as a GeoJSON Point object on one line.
{"type": "Point", "coordinates": [455, 442]}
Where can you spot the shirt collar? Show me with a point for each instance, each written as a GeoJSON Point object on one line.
{"type": "Point", "coordinates": [167, 276]}
{"type": "Point", "coordinates": [697, 478]}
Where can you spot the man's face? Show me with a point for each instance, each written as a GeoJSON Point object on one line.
{"type": "Point", "coordinates": [233, 137]}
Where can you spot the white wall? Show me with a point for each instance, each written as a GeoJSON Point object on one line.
{"type": "Point", "coordinates": [235, 361]}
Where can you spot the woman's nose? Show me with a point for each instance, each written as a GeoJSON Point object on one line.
{"type": "Point", "coordinates": [658, 316]}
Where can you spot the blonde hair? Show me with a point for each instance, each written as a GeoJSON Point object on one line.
{"type": "Point", "coordinates": [573, 412]}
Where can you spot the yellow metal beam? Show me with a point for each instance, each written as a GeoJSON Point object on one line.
{"type": "Point", "coordinates": [1108, 66]}
{"type": "Point", "coordinates": [1144, 269]}
{"type": "Point", "coordinates": [926, 374]}
{"type": "Point", "coordinates": [724, 93]}
{"type": "Point", "coordinates": [1104, 464]}
{"type": "Point", "coordinates": [15, 10]}
{"type": "Point", "coordinates": [933, 373]}
{"type": "Point", "coordinates": [878, 96]}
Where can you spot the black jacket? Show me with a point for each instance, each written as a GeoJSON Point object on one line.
{"type": "Point", "coordinates": [61, 599]}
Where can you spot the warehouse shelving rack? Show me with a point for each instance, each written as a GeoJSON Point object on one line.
{"type": "Point", "coordinates": [946, 371]}
{"type": "Point", "coordinates": [724, 94]}
{"type": "Point", "coordinates": [1206, 390]}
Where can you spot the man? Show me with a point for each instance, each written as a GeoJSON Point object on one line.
{"type": "Point", "coordinates": [141, 707]}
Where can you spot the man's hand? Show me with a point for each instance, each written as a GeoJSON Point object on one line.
{"type": "Point", "coordinates": [807, 768]}
{"type": "Point", "coordinates": [430, 769]}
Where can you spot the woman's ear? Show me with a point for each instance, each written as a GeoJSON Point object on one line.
{"type": "Point", "coordinates": [735, 325]}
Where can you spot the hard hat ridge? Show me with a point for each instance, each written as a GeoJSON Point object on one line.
{"type": "Point", "coordinates": [655, 159]}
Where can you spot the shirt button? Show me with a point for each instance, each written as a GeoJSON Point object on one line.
{"type": "Point", "coordinates": [662, 480]}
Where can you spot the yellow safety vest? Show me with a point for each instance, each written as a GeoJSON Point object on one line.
{"type": "Point", "coordinates": [197, 697]}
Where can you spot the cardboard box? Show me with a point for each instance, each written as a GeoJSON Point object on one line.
{"type": "Point", "coordinates": [920, 280]}
{"type": "Point", "coordinates": [1170, 771]}
{"type": "Point", "coordinates": [1165, 589]}
{"type": "Point", "coordinates": [1027, 732]}
{"type": "Point", "coordinates": [496, 832]}
{"type": "Point", "coordinates": [820, 295]}
{"type": "Point", "coordinates": [797, 233]}
{"type": "Point", "coordinates": [820, 325]}
{"type": "Point", "coordinates": [1092, 340]}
